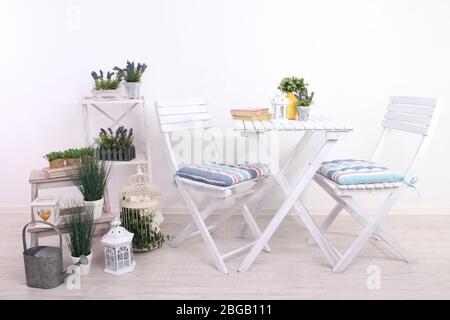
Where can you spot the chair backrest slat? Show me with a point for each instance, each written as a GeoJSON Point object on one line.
{"type": "Point", "coordinates": [179, 115]}
{"type": "Point", "coordinates": [413, 115]}
{"type": "Point", "coordinates": [184, 114]}
{"type": "Point", "coordinates": [410, 114]}
{"type": "Point", "coordinates": [405, 126]}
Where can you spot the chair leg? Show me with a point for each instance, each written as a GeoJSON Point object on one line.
{"type": "Point", "coordinates": [270, 186]}
{"type": "Point", "coordinates": [209, 209]}
{"type": "Point", "coordinates": [380, 233]}
{"type": "Point", "coordinates": [328, 221]}
{"type": "Point", "coordinates": [253, 226]}
{"type": "Point", "coordinates": [370, 228]}
{"type": "Point", "coordinates": [220, 264]}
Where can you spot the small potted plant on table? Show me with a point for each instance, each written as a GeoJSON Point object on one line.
{"type": "Point", "coordinates": [55, 159]}
{"type": "Point", "coordinates": [289, 86]}
{"type": "Point", "coordinates": [72, 156]}
{"type": "Point", "coordinates": [132, 75]}
{"type": "Point", "coordinates": [79, 224]}
{"type": "Point", "coordinates": [106, 88]}
{"type": "Point", "coordinates": [304, 101]}
{"type": "Point", "coordinates": [90, 177]}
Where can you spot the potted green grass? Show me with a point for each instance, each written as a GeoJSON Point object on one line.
{"type": "Point", "coordinates": [90, 177]}
{"type": "Point", "coordinates": [79, 224]}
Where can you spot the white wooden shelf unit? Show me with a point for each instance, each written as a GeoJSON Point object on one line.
{"type": "Point", "coordinates": [143, 157]}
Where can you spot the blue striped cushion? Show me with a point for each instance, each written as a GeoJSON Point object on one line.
{"type": "Point", "coordinates": [223, 174]}
{"type": "Point", "coordinates": [351, 171]}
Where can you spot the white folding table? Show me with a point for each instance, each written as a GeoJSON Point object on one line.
{"type": "Point", "coordinates": [330, 132]}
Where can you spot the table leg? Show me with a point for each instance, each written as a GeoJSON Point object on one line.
{"type": "Point", "coordinates": [34, 239]}
{"type": "Point", "coordinates": [87, 134]}
{"type": "Point", "coordinates": [287, 205]}
{"type": "Point", "coordinates": [275, 170]}
{"type": "Point", "coordinates": [34, 195]}
{"type": "Point", "coordinates": [106, 204]}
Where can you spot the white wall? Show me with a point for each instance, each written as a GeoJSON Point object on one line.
{"type": "Point", "coordinates": [353, 53]}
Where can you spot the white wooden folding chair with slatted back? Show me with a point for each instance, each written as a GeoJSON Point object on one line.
{"type": "Point", "coordinates": [409, 114]}
{"type": "Point", "coordinates": [193, 114]}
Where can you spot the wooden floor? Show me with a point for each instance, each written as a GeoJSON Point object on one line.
{"type": "Point", "coordinates": [292, 271]}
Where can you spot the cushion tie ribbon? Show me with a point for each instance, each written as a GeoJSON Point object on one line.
{"type": "Point", "coordinates": [411, 184]}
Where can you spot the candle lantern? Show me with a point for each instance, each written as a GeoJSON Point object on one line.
{"type": "Point", "coordinates": [46, 209]}
{"type": "Point", "coordinates": [118, 250]}
{"type": "Point", "coordinates": [279, 106]}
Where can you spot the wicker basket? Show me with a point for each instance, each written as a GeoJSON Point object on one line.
{"type": "Point", "coordinates": [140, 212]}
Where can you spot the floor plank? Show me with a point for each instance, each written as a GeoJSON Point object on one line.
{"type": "Point", "coordinates": [292, 271]}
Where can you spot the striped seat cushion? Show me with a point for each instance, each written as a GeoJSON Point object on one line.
{"type": "Point", "coordinates": [223, 174]}
{"type": "Point", "coordinates": [351, 171]}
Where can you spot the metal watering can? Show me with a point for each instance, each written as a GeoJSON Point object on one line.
{"type": "Point", "coordinates": [44, 264]}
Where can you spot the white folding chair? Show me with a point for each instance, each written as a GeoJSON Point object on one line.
{"type": "Point", "coordinates": [413, 115]}
{"type": "Point", "coordinates": [193, 114]}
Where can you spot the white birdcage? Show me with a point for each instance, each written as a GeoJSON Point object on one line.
{"type": "Point", "coordinates": [140, 212]}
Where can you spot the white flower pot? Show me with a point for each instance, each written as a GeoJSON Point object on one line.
{"type": "Point", "coordinates": [84, 268]}
{"type": "Point", "coordinates": [133, 89]}
{"type": "Point", "coordinates": [96, 207]}
{"type": "Point", "coordinates": [303, 113]}
{"type": "Point", "coordinates": [107, 94]}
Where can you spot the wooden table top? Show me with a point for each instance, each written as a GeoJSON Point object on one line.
{"type": "Point", "coordinates": [315, 123]}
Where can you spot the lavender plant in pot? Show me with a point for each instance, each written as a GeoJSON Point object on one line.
{"type": "Point", "coordinates": [90, 177]}
{"type": "Point", "coordinates": [132, 75]}
{"type": "Point", "coordinates": [304, 101]}
{"type": "Point", "coordinates": [115, 145]}
{"type": "Point", "coordinates": [106, 88]}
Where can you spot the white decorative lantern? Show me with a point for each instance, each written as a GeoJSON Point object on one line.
{"type": "Point", "coordinates": [279, 106]}
{"type": "Point", "coordinates": [46, 209]}
{"type": "Point", "coordinates": [118, 252]}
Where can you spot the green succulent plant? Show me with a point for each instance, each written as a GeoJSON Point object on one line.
{"type": "Point", "coordinates": [54, 155]}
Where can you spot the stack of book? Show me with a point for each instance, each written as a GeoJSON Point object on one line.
{"type": "Point", "coordinates": [251, 114]}
{"type": "Point", "coordinates": [59, 172]}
